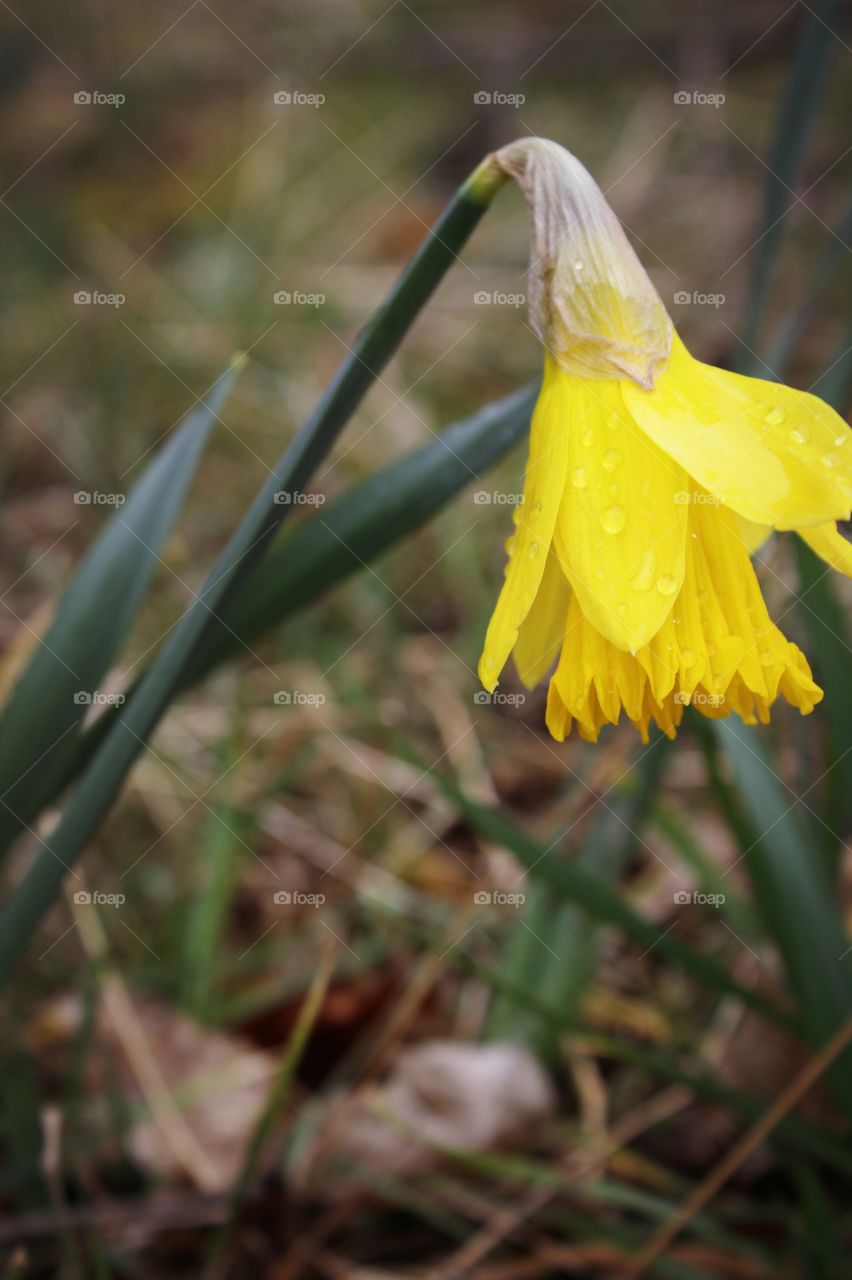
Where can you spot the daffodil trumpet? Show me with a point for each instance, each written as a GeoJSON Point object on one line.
{"type": "Point", "coordinates": [651, 479]}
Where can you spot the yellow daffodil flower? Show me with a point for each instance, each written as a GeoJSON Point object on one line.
{"type": "Point", "coordinates": [651, 477]}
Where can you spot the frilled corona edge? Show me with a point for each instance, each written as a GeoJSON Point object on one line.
{"type": "Point", "coordinates": [629, 567]}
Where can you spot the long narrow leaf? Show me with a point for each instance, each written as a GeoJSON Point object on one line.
{"type": "Point", "coordinates": [51, 697]}
{"type": "Point", "coordinates": [127, 737]}
{"type": "Point", "coordinates": [794, 895]}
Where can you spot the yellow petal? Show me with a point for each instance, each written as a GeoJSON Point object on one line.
{"type": "Point", "coordinates": [540, 635]}
{"type": "Point", "coordinates": [718, 650]}
{"type": "Point", "coordinates": [753, 535]}
{"type": "Point", "coordinates": [775, 455]}
{"type": "Point", "coordinates": [621, 533]}
{"type": "Point", "coordinates": [831, 545]}
{"type": "Point", "coordinates": [544, 482]}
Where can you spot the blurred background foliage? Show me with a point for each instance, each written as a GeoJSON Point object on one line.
{"type": "Point", "coordinates": [399, 797]}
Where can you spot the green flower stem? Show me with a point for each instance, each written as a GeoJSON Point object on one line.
{"type": "Point", "coordinates": [102, 781]}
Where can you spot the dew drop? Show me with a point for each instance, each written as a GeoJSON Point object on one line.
{"type": "Point", "coordinates": [579, 478]}
{"type": "Point", "coordinates": [775, 415]}
{"type": "Point", "coordinates": [600, 575]}
{"type": "Point", "coordinates": [828, 460]}
{"type": "Point", "coordinates": [579, 264]}
{"type": "Point", "coordinates": [766, 658]}
{"type": "Point", "coordinates": [667, 585]}
{"type": "Point", "coordinates": [613, 421]}
{"type": "Point", "coordinates": [839, 441]}
{"type": "Point", "coordinates": [687, 657]}
{"type": "Point", "coordinates": [612, 459]}
{"type": "Point", "coordinates": [539, 505]}
{"type": "Point", "coordinates": [645, 576]}
{"type": "Point", "coordinates": [613, 520]}
{"type": "Point", "coordinates": [799, 435]}
{"type": "Point", "coordinates": [588, 438]}
{"type": "Point", "coordinates": [535, 547]}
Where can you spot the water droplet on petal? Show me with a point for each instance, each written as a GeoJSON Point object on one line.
{"type": "Point", "coordinates": [613, 519]}
{"type": "Point", "coordinates": [600, 575]}
{"type": "Point", "coordinates": [828, 460]}
{"type": "Point", "coordinates": [766, 658]}
{"type": "Point", "coordinates": [613, 421]}
{"type": "Point", "coordinates": [579, 264]}
{"type": "Point", "coordinates": [839, 441]}
{"type": "Point", "coordinates": [611, 460]}
{"type": "Point", "coordinates": [588, 438]}
{"type": "Point", "coordinates": [667, 585]}
{"type": "Point", "coordinates": [775, 415]}
{"type": "Point", "coordinates": [799, 435]}
{"type": "Point", "coordinates": [539, 505]}
{"type": "Point", "coordinates": [579, 478]}
{"type": "Point", "coordinates": [687, 657]}
{"type": "Point", "coordinates": [535, 547]}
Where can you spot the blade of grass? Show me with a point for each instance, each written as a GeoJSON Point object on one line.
{"type": "Point", "coordinates": [794, 128]}
{"type": "Point", "coordinates": [576, 884]}
{"type": "Point", "coordinates": [367, 520]}
{"type": "Point", "coordinates": [273, 1107]}
{"type": "Point", "coordinates": [560, 970]}
{"type": "Point", "coordinates": [793, 893]}
{"type": "Point", "coordinates": [48, 702]}
{"type": "Point", "coordinates": [135, 721]}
